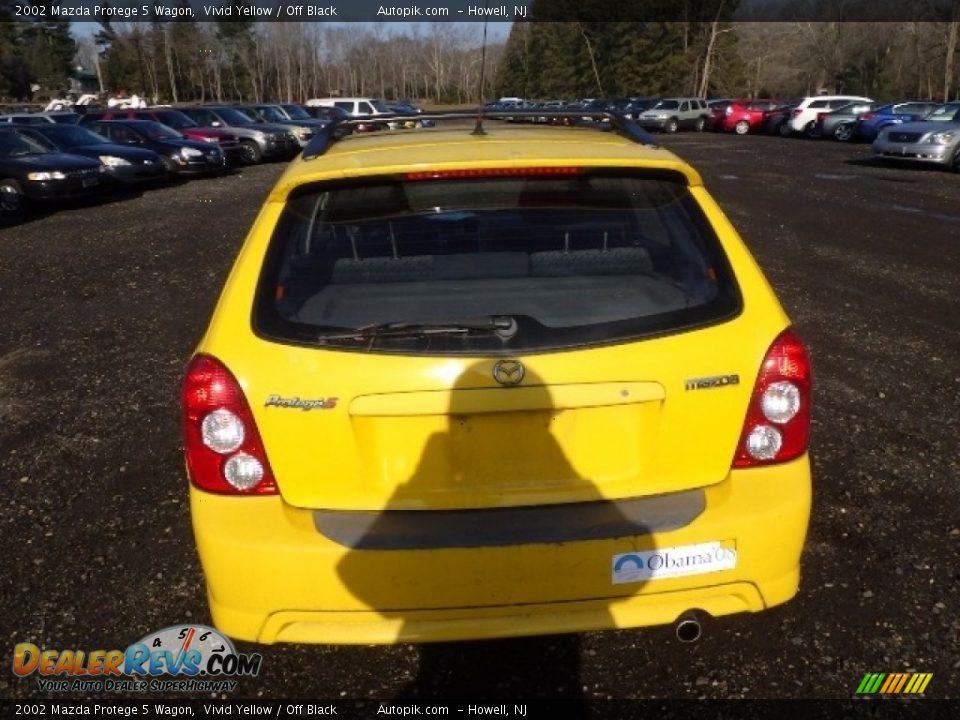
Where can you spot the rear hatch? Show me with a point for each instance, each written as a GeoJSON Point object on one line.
{"type": "Point", "coordinates": [495, 339]}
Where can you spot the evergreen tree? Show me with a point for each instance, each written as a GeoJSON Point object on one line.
{"type": "Point", "coordinates": [35, 53]}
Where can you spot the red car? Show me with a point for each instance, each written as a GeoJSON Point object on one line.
{"type": "Point", "coordinates": [741, 116]}
{"type": "Point", "coordinates": [228, 142]}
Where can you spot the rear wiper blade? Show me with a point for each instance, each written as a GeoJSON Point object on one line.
{"type": "Point", "coordinates": [503, 325]}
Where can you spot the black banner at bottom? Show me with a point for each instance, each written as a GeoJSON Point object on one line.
{"type": "Point", "coordinates": [919, 708]}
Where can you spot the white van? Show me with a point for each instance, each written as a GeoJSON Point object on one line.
{"type": "Point", "coordinates": [355, 106]}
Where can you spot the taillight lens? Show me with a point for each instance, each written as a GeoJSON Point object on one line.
{"type": "Point", "coordinates": [867, 116]}
{"type": "Point", "coordinates": [777, 425]}
{"type": "Point", "coordinates": [820, 117]}
{"type": "Point", "coordinates": [797, 111]}
{"type": "Point", "coordinates": [492, 173]}
{"type": "Point", "coordinates": [222, 445]}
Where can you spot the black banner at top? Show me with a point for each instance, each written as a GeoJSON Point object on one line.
{"type": "Point", "coordinates": [487, 10]}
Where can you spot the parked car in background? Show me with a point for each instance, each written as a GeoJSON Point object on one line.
{"type": "Point", "coordinates": [41, 118]}
{"type": "Point", "coordinates": [302, 130]}
{"type": "Point", "coordinates": [871, 123]}
{"type": "Point", "coordinates": [776, 121]}
{"type": "Point", "coordinates": [299, 112]}
{"type": "Point", "coordinates": [290, 112]}
{"type": "Point", "coordinates": [839, 124]}
{"type": "Point", "coordinates": [741, 116]}
{"type": "Point", "coordinates": [32, 169]}
{"type": "Point", "coordinates": [358, 108]}
{"type": "Point", "coordinates": [258, 141]}
{"type": "Point", "coordinates": [803, 117]}
{"type": "Point", "coordinates": [672, 114]}
{"type": "Point", "coordinates": [173, 118]}
{"type": "Point", "coordinates": [933, 140]}
{"type": "Point", "coordinates": [327, 113]}
{"type": "Point", "coordinates": [124, 163]}
{"type": "Point", "coordinates": [408, 109]}
{"type": "Point", "coordinates": [637, 105]}
{"type": "Point", "coordinates": [355, 106]}
{"type": "Point", "coordinates": [180, 155]}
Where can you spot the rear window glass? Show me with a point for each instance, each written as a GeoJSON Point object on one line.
{"type": "Point", "coordinates": [589, 257]}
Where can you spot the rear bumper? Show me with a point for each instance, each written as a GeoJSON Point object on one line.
{"type": "Point", "coordinates": [272, 577]}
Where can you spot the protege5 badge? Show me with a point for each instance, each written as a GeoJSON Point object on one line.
{"type": "Point", "coordinates": [302, 404]}
{"type": "Point", "coordinates": [715, 381]}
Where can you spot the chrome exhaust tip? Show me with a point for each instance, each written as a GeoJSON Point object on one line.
{"type": "Point", "coordinates": [688, 628]}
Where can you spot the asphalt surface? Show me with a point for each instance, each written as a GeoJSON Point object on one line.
{"type": "Point", "coordinates": [101, 305]}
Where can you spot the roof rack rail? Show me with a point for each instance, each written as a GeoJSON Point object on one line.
{"type": "Point", "coordinates": [617, 122]}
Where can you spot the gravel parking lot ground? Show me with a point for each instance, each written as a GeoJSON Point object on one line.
{"type": "Point", "coordinates": [102, 304]}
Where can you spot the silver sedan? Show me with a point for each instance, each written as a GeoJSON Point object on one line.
{"type": "Point", "coordinates": [935, 140]}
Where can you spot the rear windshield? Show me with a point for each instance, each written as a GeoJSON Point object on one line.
{"type": "Point", "coordinates": [586, 258]}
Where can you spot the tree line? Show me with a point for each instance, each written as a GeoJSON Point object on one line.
{"type": "Point", "coordinates": [709, 55]}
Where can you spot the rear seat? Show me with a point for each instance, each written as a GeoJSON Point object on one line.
{"type": "Point", "coordinates": [418, 268]}
{"type": "Point", "coordinates": [614, 261]}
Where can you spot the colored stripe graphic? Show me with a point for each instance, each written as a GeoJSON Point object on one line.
{"type": "Point", "coordinates": [865, 683]}
{"type": "Point", "coordinates": [894, 683]}
{"type": "Point", "coordinates": [901, 681]}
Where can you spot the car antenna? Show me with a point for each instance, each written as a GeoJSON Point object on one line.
{"type": "Point", "coordinates": [478, 128]}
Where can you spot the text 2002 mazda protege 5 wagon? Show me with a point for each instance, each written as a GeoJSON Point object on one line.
{"type": "Point", "coordinates": [471, 386]}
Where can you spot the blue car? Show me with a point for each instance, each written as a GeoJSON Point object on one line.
{"type": "Point", "coordinates": [871, 123]}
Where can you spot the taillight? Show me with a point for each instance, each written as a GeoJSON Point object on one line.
{"type": "Point", "coordinates": [492, 172]}
{"type": "Point", "coordinates": [777, 425]}
{"type": "Point", "coordinates": [820, 117]}
{"type": "Point", "coordinates": [797, 111]}
{"type": "Point", "coordinates": [222, 445]}
{"type": "Point", "coordinates": [867, 116]}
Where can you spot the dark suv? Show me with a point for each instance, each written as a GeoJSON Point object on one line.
{"type": "Point", "coordinates": [258, 141]}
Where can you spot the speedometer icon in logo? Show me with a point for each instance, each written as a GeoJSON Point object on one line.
{"type": "Point", "coordinates": [508, 372]}
{"type": "Point", "coordinates": [181, 650]}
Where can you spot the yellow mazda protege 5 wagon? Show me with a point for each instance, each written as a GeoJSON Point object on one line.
{"type": "Point", "coordinates": [519, 381]}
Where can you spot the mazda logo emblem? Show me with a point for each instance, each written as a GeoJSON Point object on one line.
{"type": "Point", "coordinates": [508, 372]}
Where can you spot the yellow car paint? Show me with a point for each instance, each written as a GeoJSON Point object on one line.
{"type": "Point", "coordinates": [419, 433]}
